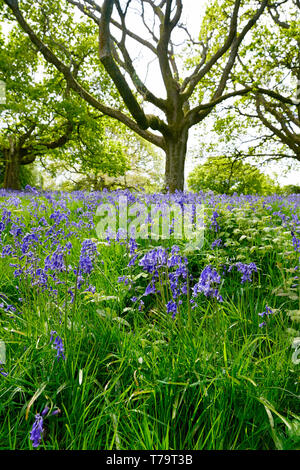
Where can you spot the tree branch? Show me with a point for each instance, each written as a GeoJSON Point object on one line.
{"type": "Point", "coordinates": [197, 75]}
{"type": "Point", "coordinates": [75, 85]}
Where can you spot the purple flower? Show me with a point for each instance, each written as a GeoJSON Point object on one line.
{"type": "Point", "coordinates": [207, 283]}
{"type": "Point", "coordinates": [58, 345]}
{"type": "Point", "coordinates": [55, 262]}
{"type": "Point", "coordinates": [87, 255]}
{"type": "Point", "coordinates": [45, 411]}
{"type": "Point", "coordinates": [154, 259]}
{"type": "Point", "coordinates": [37, 430]}
{"type": "Point", "coordinates": [172, 308]}
{"type": "Point", "coordinates": [150, 289]}
{"type": "Point", "coordinates": [246, 270]}
{"type": "Point", "coordinates": [268, 311]}
{"type": "Point", "coordinates": [296, 242]}
{"type": "Point", "coordinates": [5, 374]}
{"type": "Point", "coordinates": [124, 279]}
{"type": "Point", "coordinates": [132, 261]}
{"type": "Point", "coordinates": [217, 242]}
{"type": "Point", "coordinates": [214, 223]}
{"type": "Point", "coordinates": [132, 246]}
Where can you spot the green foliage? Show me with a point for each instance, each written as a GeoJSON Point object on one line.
{"type": "Point", "coordinates": [265, 128]}
{"type": "Point", "coordinates": [39, 107]}
{"type": "Point", "coordinates": [228, 176]}
{"type": "Point", "coordinates": [29, 175]}
{"type": "Point", "coordinates": [291, 189]}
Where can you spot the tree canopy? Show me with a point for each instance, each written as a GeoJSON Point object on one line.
{"type": "Point", "coordinates": [43, 118]}
{"type": "Point", "coordinates": [241, 69]}
{"type": "Point", "coordinates": [115, 29]}
{"type": "Point", "coordinates": [225, 175]}
{"type": "Point", "coordinates": [265, 126]}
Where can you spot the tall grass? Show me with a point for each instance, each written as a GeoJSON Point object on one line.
{"type": "Point", "coordinates": [138, 379]}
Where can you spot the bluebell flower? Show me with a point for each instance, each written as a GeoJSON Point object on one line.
{"type": "Point", "coordinates": [45, 411]}
{"type": "Point", "coordinates": [296, 242]}
{"type": "Point", "coordinates": [58, 345]}
{"type": "Point", "coordinates": [217, 243]}
{"type": "Point", "coordinates": [154, 259]}
{"type": "Point", "coordinates": [132, 260]}
{"type": "Point", "coordinates": [87, 255]}
{"type": "Point", "coordinates": [207, 283]}
{"type": "Point", "coordinates": [214, 223]}
{"type": "Point", "coordinates": [2, 372]}
{"type": "Point", "coordinates": [150, 289]}
{"type": "Point", "coordinates": [132, 246]}
{"type": "Point", "coordinates": [37, 430]}
{"type": "Point", "coordinates": [267, 311]}
{"type": "Point", "coordinates": [245, 269]}
{"type": "Point", "coordinates": [171, 307]}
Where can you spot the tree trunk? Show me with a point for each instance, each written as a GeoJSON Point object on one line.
{"type": "Point", "coordinates": [12, 167]}
{"type": "Point", "coordinates": [175, 161]}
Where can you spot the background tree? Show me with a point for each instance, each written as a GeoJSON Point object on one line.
{"type": "Point", "coordinates": [88, 163]}
{"type": "Point", "coordinates": [227, 175]}
{"type": "Point", "coordinates": [43, 117]}
{"type": "Point", "coordinates": [182, 107]}
{"type": "Point", "coordinates": [265, 127]}
{"type": "Point", "coordinates": [31, 122]}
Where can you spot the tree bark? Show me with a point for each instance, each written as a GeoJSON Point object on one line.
{"type": "Point", "coordinates": [12, 167]}
{"type": "Point", "coordinates": [176, 148]}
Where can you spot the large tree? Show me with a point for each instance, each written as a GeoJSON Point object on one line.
{"type": "Point", "coordinates": [42, 117]}
{"type": "Point", "coordinates": [222, 33]}
{"type": "Point", "coordinates": [265, 127]}
{"type": "Point", "coordinates": [31, 123]}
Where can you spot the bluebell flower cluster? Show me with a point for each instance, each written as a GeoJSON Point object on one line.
{"type": "Point", "coordinates": [37, 430]}
{"type": "Point", "coordinates": [214, 225]}
{"type": "Point", "coordinates": [87, 256]}
{"type": "Point", "coordinates": [268, 311]}
{"type": "Point", "coordinates": [208, 284]}
{"type": "Point", "coordinates": [296, 242]}
{"type": "Point", "coordinates": [58, 345]}
{"type": "Point", "coordinates": [168, 270]}
{"type": "Point", "coordinates": [245, 269]}
{"type": "Point", "coordinates": [216, 243]}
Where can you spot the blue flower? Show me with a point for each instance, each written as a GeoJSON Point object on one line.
{"type": "Point", "coordinates": [87, 255]}
{"type": "Point", "coordinates": [217, 242]}
{"type": "Point", "coordinates": [37, 430]}
{"type": "Point", "coordinates": [296, 242]}
{"type": "Point", "coordinates": [58, 345]}
{"type": "Point", "coordinates": [154, 259]}
{"type": "Point", "coordinates": [245, 269]}
{"type": "Point", "coordinates": [172, 307]}
{"type": "Point", "coordinates": [207, 283]}
{"type": "Point", "coordinates": [150, 289]}
{"type": "Point", "coordinates": [5, 374]}
{"type": "Point", "coordinates": [268, 311]}
{"type": "Point", "coordinates": [214, 223]}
